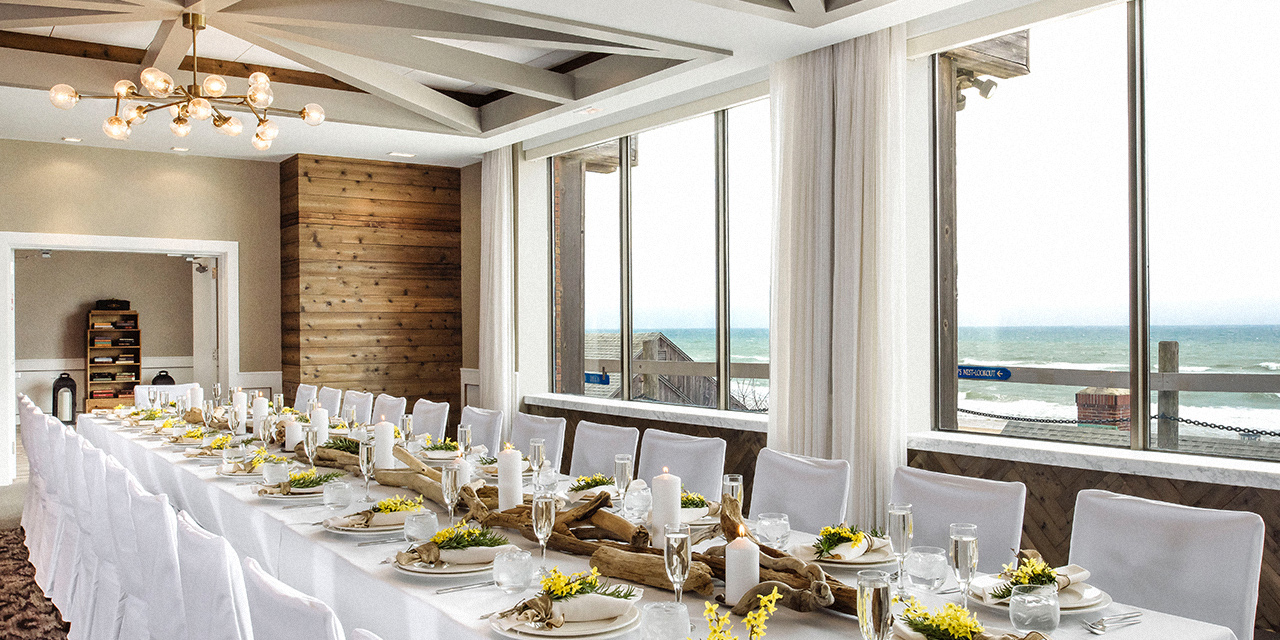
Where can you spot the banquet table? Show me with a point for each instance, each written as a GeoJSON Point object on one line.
{"type": "Point", "coordinates": [396, 606]}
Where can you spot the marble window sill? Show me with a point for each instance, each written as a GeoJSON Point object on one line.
{"type": "Point", "coordinates": [696, 416]}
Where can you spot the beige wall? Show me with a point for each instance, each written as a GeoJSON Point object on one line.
{"type": "Point", "coordinates": [62, 188]}
{"type": "Point", "coordinates": [471, 266]}
{"type": "Point", "coordinates": [52, 298]}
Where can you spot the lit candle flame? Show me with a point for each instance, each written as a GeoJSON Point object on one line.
{"type": "Point", "coordinates": [742, 531]}
{"type": "Point", "coordinates": [664, 469]}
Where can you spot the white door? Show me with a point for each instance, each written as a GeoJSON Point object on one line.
{"type": "Point", "coordinates": [204, 321]}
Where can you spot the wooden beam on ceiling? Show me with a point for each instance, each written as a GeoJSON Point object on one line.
{"type": "Point", "coordinates": [1007, 56]}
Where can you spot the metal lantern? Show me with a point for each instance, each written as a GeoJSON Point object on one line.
{"type": "Point", "coordinates": [163, 378]}
{"type": "Point", "coordinates": [64, 398]}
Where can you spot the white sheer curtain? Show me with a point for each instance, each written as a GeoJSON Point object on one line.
{"type": "Point", "coordinates": [497, 283]}
{"type": "Point", "coordinates": [836, 366]}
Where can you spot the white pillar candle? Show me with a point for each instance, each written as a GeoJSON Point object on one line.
{"type": "Point", "coordinates": [465, 470]}
{"type": "Point", "coordinates": [320, 420]}
{"type": "Point", "coordinates": [240, 404]}
{"type": "Point", "coordinates": [195, 397]}
{"type": "Point", "coordinates": [384, 438]}
{"type": "Point", "coordinates": [666, 505]}
{"type": "Point", "coordinates": [510, 493]}
{"type": "Point", "coordinates": [292, 434]}
{"type": "Point", "coordinates": [741, 568]}
{"type": "Point", "coordinates": [260, 412]}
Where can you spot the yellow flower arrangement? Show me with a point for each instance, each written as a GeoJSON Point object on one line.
{"type": "Point", "coordinates": [465, 536]}
{"type": "Point", "coordinates": [831, 537]}
{"type": "Point", "coordinates": [398, 503]}
{"type": "Point", "coordinates": [691, 500]}
{"type": "Point", "coordinates": [220, 443]}
{"type": "Point", "coordinates": [590, 482]}
{"type": "Point", "coordinates": [194, 433]}
{"type": "Point", "coordinates": [952, 622]}
{"type": "Point", "coordinates": [1027, 571]}
{"type": "Point", "coordinates": [719, 627]}
{"type": "Point", "coordinates": [562, 587]}
{"type": "Point", "coordinates": [443, 444]}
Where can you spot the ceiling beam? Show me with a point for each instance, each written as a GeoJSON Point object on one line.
{"type": "Point", "coordinates": [14, 16]}
{"type": "Point", "coordinates": [88, 5]}
{"type": "Point", "coordinates": [168, 48]}
{"type": "Point", "coordinates": [811, 9]}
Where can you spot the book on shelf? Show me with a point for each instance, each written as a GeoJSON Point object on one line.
{"type": "Point", "coordinates": [102, 393]}
{"type": "Point", "coordinates": [101, 342]}
{"type": "Point", "coordinates": [127, 376]}
{"type": "Point", "coordinates": [102, 360]}
{"type": "Point", "coordinates": [100, 376]}
{"type": "Point", "coordinates": [103, 325]}
{"type": "Point", "coordinates": [126, 324]}
{"type": "Point", "coordinates": [126, 342]}
{"type": "Point", "coordinates": [126, 358]}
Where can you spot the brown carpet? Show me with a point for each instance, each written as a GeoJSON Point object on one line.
{"type": "Point", "coordinates": [24, 611]}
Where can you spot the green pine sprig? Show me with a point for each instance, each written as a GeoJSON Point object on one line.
{"type": "Point", "coordinates": [344, 444]}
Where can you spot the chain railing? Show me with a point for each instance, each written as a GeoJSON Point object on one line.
{"type": "Point", "coordinates": [1118, 421]}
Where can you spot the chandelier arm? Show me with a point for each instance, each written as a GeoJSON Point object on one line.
{"type": "Point", "coordinates": [157, 107]}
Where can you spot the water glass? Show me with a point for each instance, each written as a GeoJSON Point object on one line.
{"type": "Point", "coordinates": [774, 529]}
{"type": "Point", "coordinates": [274, 472]}
{"type": "Point", "coordinates": [208, 438]}
{"type": "Point", "coordinates": [731, 485]}
{"type": "Point", "coordinates": [349, 418]}
{"type": "Point", "coordinates": [664, 621]}
{"type": "Point", "coordinates": [926, 567]}
{"type": "Point", "coordinates": [1034, 607]}
{"type": "Point", "coordinates": [232, 454]}
{"type": "Point", "coordinates": [337, 495]}
{"type": "Point", "coordinates": [513, 571]}
{"type": "Point", "coordinates": [636, 504]}
{"type": "Point", "coordinates": [421, 526]}
{"type": "Point", "coordinates": [875, 610]}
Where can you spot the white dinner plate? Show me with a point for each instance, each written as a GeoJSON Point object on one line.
{"type": "Point", "coordinates": [358, 531]}
{"type": "Point", "coordinates": [595, 630]}
{"type": "Point", "coordinates": [255, 474]}
{"type": "Point", "coordinates": [291, 497]}
{"type": "Point", "coordinates": [883, 555]}
{"type": "Point", "coordinates": [902, 632]}
{"type": "Point", "coordinates": [1077, 598]}
{"type": "Point", "coordinates": [420, 569]}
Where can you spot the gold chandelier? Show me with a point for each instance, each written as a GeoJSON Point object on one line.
{"type": "Point", "coordinates": [198, 101]}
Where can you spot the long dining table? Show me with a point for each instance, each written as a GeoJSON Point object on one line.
{"type": "Point", "coordinates": [366, 593]}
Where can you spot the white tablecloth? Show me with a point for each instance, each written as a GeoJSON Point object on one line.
{"type": "Point", "coordinates": [375, 596]}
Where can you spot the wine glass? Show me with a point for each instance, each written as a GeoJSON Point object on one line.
{"type": "Point", "coordinates": [537, 459]}
{"type": "Point", "coordinates": [875, 615]}
{"type": "Point", "coordinates": [544, 520]}
{"type": "Point", "coordinates": [233, 421]}
{"type": "Point", "coordinates": [366, 466]}
{"type": "Point", "coordinates": [449, 487]}
{"type": "Point", "coordinates": [152, 396]}
{"type": "Point", "coordinates": [964, 556]}
{"type": "Point", "coordinates": [900, 535]}
{"type": "Point", "coordinates": [622, 472]}
{"type": "Point", "coordinates": [676, 553]}
{"type": "Point", "coordinates": [310, 441]}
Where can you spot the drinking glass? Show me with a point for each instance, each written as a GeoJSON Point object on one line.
{"type": "Point", "coordinates": [664, 621]}
{"type": "Point", "coordinates": [310, 438]}
{"type": "Point", "coordinates": [406, 428]}
{"type": "Point", "coordinates": [637, 503]}
{"type": "Point", "coordinates": [774, 529]}
{"type": "Point", "coordinates": [900, 534]}
{"type": "Point", "coordinates": [207, 413]}
{"type": "Point", "coordinates": [544, 519]}
{"type": "Point", "coordinates": [275, 472]}
{"type": "Point", "coordinates": [217, 393]}
{"type": "Point", "coordinates": [152, 396]}
{"type": "Point", "coordinates": [366, 466]}
{"type": "Point", "coordinates": [232, 454]}
{"type": "Point", "coordinates": [964, 556]}
{"type": "Point", "coordinates": [677, 553]}
{"type": "Point", "coordinates": [875, 614]}
{"type": "Point", "coordinates": [421, 526]}
{"type": "Point", "coordinates": [464, 439]}
{"type": "Point", "coordinates": [731, 485]}
{"type": "Point", "coordinates": [1034, 607]}
{"type": "Point", "coordinates": [277, 402]}
{"type": "Point", "coordinates": [349, 418]}
{"type": "Point", "coordinates": [207, 438]}
{"type": "Point", "coordinates": [926, 567]}
{"type": "Point", "coordinates": [537, 459]}
{"type": "Point", "coordinates": [513, 571]}
{"type": "Point", "coordinates": [233, 421]}
{"type": "Point", "coordinates": [449, 486]}
{"type": "Point", "coordinates": [623, 466]}
{"type": "Point", "coordinates": [337, 495]}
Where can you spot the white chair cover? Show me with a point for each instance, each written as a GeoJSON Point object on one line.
{"type": "Point", "coordinates": [1199, 563]}
{"type": "Point", "coordinates": [430, 418]}
{"type": "Point", "coordinates": [940, 499]}
{"type": "Point", "coordinates": [303, 396]}
{"type": "Point", "coordinates": [813, 492]}
{"type": "Point", "coordinates": [143, 401]}
{"type": "Point", "coordinates": [331, 400]}
{"type": "Point", "coordinates": [362, 402]}
{"type": "Point", "coordinates": [595, 445]}
{"type": "Point", "coordinates": [388, 408]}
{"type": "Point", "coordinates": [280, 612]}
{"type": "Point", "coordinates": [363, 634]}
{"type": "Point", "coordinates": [486, 427]}
{"type": "Point", "coordinates": [525, 427]}
{"type": "Point", "coordinates": [103, 623]}
{"type": "Point", "coordinates": [72, 503]}
{"type": "Point", "coordinates": [38, 517]}
{"type": "Point", "coordinates": [121, 487]}
{"type": "Point", "coordinates": [699, 462]}
{"type": "Point", "coordinates": [89, 570]}
{"type": "Point", "coordinates": [62, 529]}
{"type": "Point", "coordinates": [156, 529]}
{"type": "Point", "coordinates": [212, 584]}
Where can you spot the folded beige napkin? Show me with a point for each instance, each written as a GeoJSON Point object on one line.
{"type": "Point", "coordinates": [239, 468]}
{"type": "Point", "coordinates": [368, 519]}
{"type": "Point", "coordinates": [983, 586]}
{"type": "Point", "coordinates": [583, 608]}
{"type": "Point", "coordinates": [285, 489]}
{"type": "Point", "coordinates": [429, 553]}
{"type": "Point", "coordinates": [903, 632]}
{"type": "Point", "coordinates": [203, 452]}
{"type": "Point", "coordinates": [847, 551]}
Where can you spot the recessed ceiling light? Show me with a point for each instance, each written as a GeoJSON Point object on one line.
{"type": "Point", "coordinates": [586, 111]}
{"type": "Point", "coordinates": [180, 148]}
{"type": "Point", "coordinates": [71, 139]}
{"type": "Point", "coordinates": [401, 154]}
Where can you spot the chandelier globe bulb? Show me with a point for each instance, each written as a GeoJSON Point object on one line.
{"type": "Point", "coordinates": [180, 127]}
{"type": "Point", "coordinates": [116, 128]}
{"type": "Point", "coordinates": [63, 96]}
{"type": "Point", "coordinates": [313, 114]}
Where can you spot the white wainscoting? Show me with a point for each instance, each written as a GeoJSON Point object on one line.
{"type": "Point", "coordinates": [35, 377]}
{"type": "Point", "coordinates": [470, 387]}
{"type": "Point", "coordinates": [261, 380]}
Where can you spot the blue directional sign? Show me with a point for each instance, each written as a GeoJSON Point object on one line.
{"type": "Point", "coordinates": [596, 378]}
{"type": "Point", "coordinates": [984, 373]}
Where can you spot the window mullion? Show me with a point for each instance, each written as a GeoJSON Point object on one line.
{"type": "Point", "coordinates": [722, 260]}
{"type": "Point", "coordinates": [1139, 321]}
{"type": "Point", "coordinates": [624, 238]}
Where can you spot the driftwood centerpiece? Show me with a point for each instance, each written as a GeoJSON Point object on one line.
{"type": "Point", "coordinates": [332, 458]}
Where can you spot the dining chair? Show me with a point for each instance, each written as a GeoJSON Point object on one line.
{"type": "Point", "coordinates": [61, 513]}
{"type": "Point", "coordinates": [303, 396]}
{"type": "Point", "coordinates": [330, 400]}
{"type": "Point", "coordinates": [156, 527]}
{"type": "Point", "coordinates": [90, 573]}
{"type": "Point", "coordinates": [362, 402]}
{"type": "Point", "coordinates": [364, 634]}
{"type": "Point", "coordinates": [388, 408]}
{"type": "Point", "coordinates": [940, 499]}
{"type": "Point", "coordinates": [486, 427]}
{"type": "Point", "coordinates": [217, 606]}
{"type": "Point", "coordinates": [814, 493]}
{"type": "Point", "coordinates": [280, 612]}
{"type": "Point", "coordinates": [699, 462]}
{"type": "Point", "coordinates": [121, 487]}
{"type": "Point", "coordinates": [430, 418]}
{"type": "Point", "coordinates": [1193, 562]}
{"type": "Point", "coordinates": [104, 598]}
{"type": "Point", "coordinates": [525, 427]}
{"type": "Point", "coordinates": [67, 570]}
{"type": "Point", "coordinates": [595, 445]}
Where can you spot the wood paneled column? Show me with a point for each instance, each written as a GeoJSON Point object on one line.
{"type": "Point", "coordinates": [371, 277]}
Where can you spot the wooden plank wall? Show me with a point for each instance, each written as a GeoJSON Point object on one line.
{"type": "Point", "coordinates": [1051, 501]}
{"type": "Point", "coordinates": [371, 277]}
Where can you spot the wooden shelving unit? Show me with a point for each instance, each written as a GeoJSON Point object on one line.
{"type": "Point", "coordinates": [115, 351]}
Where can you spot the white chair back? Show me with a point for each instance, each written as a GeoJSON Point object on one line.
{"type": "Point", "coordinates": [121, 486]}
{"type": "Point", "coordinates": [331, 400]}
{"type": "Point", "coordinates": [940, 499]}
{"type": "Point", "coordinates": [814, 493]}
{"type": "Point", "coordinates": [486, 427]}
{"type": "Point", "coordinates": [73, 501]}
{"type": "Point", "coordinates": [142, 399]}
{"type": "Point", "coordinates": [699, 462]}
{"type": "Point", "coordinates": [525, 427]}
{"type": "Point", "coordinates": [303, 396]}
{"type": "Point", "coordinates": [362, 402]}
{"type": "Point", "coordinates": [107, 591]}
{"type": "Point", "coordinates": [1198, 563]}
{"type": "Point", "coordinates": [212, 584]}
{"type": "Point", "coordinates": [156, 527]}
{"type": "Point", "coordinates": [595, 445]}
{"type": "Point", "coordinates": [388, 408]}
{"type": "Point", "coordinates": [280, 612]}
{"type": "Point", "coordinates": [364, 634]}
{"type": "Point", "coordinates": [430, 418]}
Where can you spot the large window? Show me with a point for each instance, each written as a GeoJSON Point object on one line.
{"type": "Point", "coordinates": [662, 264]}
{"type": "Point", "coordinates": [1050, 196]}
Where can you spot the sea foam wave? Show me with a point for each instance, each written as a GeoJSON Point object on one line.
{"type": "Point", "coordinates": [1270, 366]}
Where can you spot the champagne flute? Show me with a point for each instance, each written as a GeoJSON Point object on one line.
{"type": "Point", "coordinates": [207, 410]}
{"type": "Point", "coordinates": [622, 473]}
{"type": "Point", "coordinates": [310, 438]}
{"type": "Point", "coordinates": [277, 402]}
{"type": "Point", "coordinates": [875, 615]}
{"type": "Point", "coordinates": [152, 396]}
{"type": "Point", "coordinates": [731, 485]}
{"type": "Point", "coordinates": [449, 486]}
{"type": "Point", "coordinates": [366, 467]}
{"type": "Point", "coordinates": [464, 440]}
{"type": "Point", "coordinates": [676, 553]}
{"type": "Point", "coordinates": [406, 429]}
{"type": "Point", "coordinates": [217, 394]}
{"type": "Point", "coordinates": [349, 417]}
{"type": "Point", "coordinates": [900, 535]}
{"type": "Point", "coordinates": [964, 556]}
{"type": "Point", "coordinates": [537, 459]}
{"type": "Point", "coordinates": [544, 520]}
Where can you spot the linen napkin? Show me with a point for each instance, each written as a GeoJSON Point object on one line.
{"type": "Point", "coordinates": [368, 519]}
{"type": "Point", "coordinates": [202, 452]}
{"type": "Point", "coordinates": [846, 552]}
{"type": "Point", "coordinates": [903, 632]}
{"type": "Point", "coordinates": [285, 489]}
{"type": "Point", "coordinates": [429, 553]}
{"type": "Point", "coordinates": [983, 586]}
{"type": "Point", "coordinates": [583, 608]}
